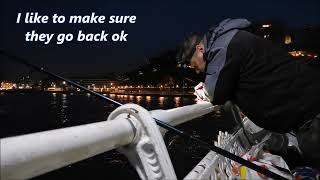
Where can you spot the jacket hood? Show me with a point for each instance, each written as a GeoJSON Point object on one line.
{"type": "Point", "coordinates": [223, 27]}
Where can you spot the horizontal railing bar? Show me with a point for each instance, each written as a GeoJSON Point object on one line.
{"type": "Point", "coordinates": [30, 155]}
{"type": "Point", "coordinates": [183, 114]}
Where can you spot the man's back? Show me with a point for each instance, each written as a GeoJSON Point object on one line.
{"type": "Point", "coordinates": [276, 91]}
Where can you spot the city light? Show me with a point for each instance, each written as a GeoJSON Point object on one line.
{"type": "Point", "coordinates": [141, 89]}
{"type": "Point", "coordinates": [54, 89]}
{"type": "Point", "coordinates": [287, 39]}
{"type": "Point", "coordinates": [303, 54]}
{"type": "Point", "coordinates": [7, 86]}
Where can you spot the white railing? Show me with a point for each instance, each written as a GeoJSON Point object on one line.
{"type": "Point", "coordinates": [130, 128]}
{"type": "Point", "coordinates": [34, 154]}
{"type": "Point", "coordinates": [214, 166]}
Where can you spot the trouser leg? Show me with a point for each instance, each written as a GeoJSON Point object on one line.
{"type": "Point", "coordinates": [309, 142]}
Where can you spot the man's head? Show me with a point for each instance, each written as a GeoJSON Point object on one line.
{"type": "Point", "coordinates": [191, 53]}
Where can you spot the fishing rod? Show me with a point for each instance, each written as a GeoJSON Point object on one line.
{"type": "Point", "coordinates": [159, 122]}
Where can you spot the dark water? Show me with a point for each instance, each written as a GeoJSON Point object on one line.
{"type": "Point", "coordinates": [33, 112]}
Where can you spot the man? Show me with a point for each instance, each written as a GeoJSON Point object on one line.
{"type": "Point", "coordinates": [274, 90]}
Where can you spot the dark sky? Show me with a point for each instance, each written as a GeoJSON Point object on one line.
{"type": "Point", "coordinates": [160, 25]}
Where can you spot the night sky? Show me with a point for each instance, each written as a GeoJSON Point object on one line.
{"type": "Point", "coordinates": [160, 25]}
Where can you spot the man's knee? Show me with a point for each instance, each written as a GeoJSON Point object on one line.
{"type": "Point", "coordinates": [309, 142]}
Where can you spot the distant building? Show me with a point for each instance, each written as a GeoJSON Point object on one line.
{"type": "Point", "coordinates": [308, 55]}
{"type": "Point", "coordinates": [299, 42]}
{"type": "Point", "coordinates": [7, 85]}
{"type": "Point", "coordinates": [266, 31]}
{"type": "Point", "coordinates": [96, 83]}
{"type": "Point", "coordinates": [287, 39]}
{"type": "Point", "coordinates": [54, 89]}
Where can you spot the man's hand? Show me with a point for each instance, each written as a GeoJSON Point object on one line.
{"type": "Point", "coordinates": [201, 93]}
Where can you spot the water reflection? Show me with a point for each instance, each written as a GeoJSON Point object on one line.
{"type": "Point", "coordinates": [161, 101]}
{"type": "Point", "coordinates": [138, 99]}
{"type": "Point", "coordinates": [61, 104]}
{"type": "Point", "coordinates": [64, 109]}
{"type": "Point", "coordinates": [125, 97]}
{"type": "Point", "coordinates": [149, 102]}
{"type": "Point", "coordinates": [177, 101]}
{"type": "Point", "coordinates": [148, 99]}
{"type": "Point", "coordinates": [153, 102]}
{"type": "Point", "coordinates": [54, 100]}
{"type": "Point", "coordinates": [59, 107]}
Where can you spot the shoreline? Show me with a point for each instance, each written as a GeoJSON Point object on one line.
{"type": "Point", "coordinates": [115, 93]}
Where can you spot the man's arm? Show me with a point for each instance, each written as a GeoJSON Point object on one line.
{"type": "Point", "coordinates": [221, 87]}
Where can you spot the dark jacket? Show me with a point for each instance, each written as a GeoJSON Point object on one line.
{"type": "Point", "coordinates": [274, 90]}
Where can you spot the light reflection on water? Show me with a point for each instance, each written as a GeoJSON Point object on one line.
{"type": "Point", "coordinates": [177, 101]}
{"type": "Point", "coordinates": [64, 109]}
{"type": "Point", "coordinates": [161, 101]}
{"type": "Point", "coordinates": [131, 97]}
{"type": "Point", "coordinates": [60, 103]}
{"type": "Point", "coordinates": [56, 110]}
{"type": "Point", "coordinates": [139, 99]}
